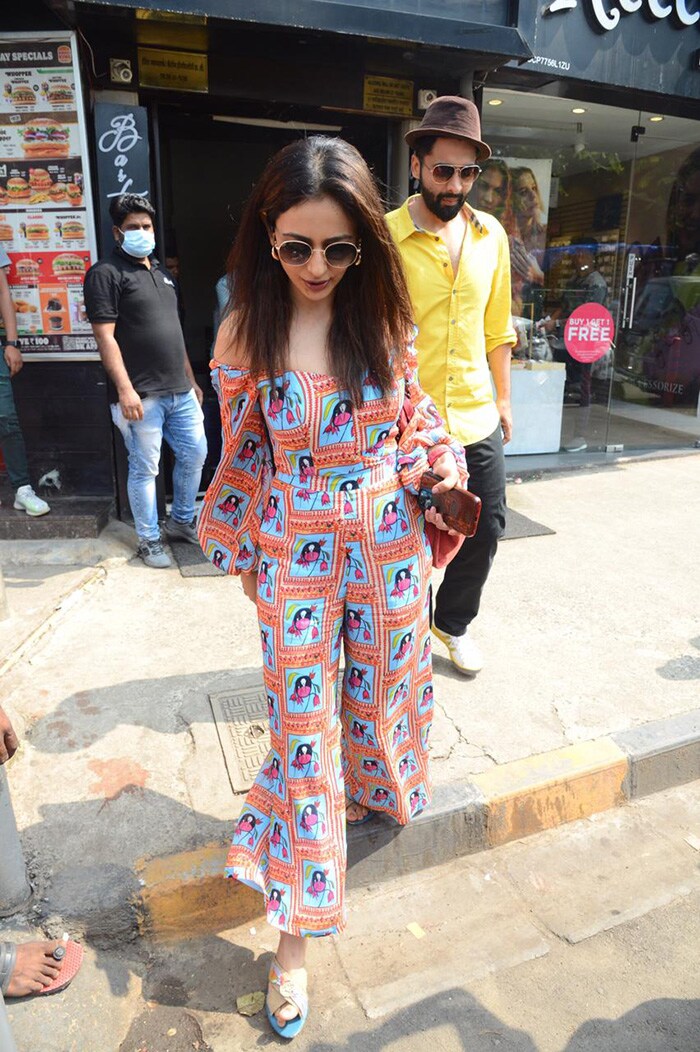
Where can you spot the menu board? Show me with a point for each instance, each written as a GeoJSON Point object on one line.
{"type": "Point", "coordinates": [46, 217]}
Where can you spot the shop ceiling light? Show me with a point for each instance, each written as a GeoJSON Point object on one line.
{"type": "Point", "coordinates": [495, 102]}
{"type": "Point", "coordinates": [578, 109]}
{"type": "Point", "coordinates": [655, 120]}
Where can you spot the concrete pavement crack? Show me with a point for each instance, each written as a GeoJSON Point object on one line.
{"type": "Point", "coordinates": [561, 723]}
{"type": "Point", "coordinates": [461, 737]}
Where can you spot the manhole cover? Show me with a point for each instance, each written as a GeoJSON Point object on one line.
{"type": "Point", "coordinates": [241, 721]}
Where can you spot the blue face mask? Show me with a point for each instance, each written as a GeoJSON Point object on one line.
{"type": "Point", "coordinates": [138, 243]}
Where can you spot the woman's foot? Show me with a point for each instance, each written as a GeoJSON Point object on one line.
{"type": "Point", "coordinates": [35, 968]}
{"type": "Point", "coordinates": [291, 957]}
{"type": "Point", "coordinates": [355, 814]}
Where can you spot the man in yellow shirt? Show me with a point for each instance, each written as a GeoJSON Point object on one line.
{"type": "Point", "coordinates": [457, 265]}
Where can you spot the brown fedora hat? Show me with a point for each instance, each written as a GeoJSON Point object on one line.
{"type": "Point", "coordinates": [451, 117]}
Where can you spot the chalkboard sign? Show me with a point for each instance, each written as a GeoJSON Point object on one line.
{"type": "Point", "coordinates": [121, 134]}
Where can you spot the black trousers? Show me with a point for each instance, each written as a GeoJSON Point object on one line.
{"type": "Point", "coordinates": [458, 598]}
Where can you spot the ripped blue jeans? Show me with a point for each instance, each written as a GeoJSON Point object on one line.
{"type": "Point", "coordinates": [178, 419]}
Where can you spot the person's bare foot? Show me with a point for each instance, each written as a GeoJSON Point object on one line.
{"type": "Point", "coordinates": [355, 813]}
{"type": "Point", "coordinates": [35, 968]}
{"type": "Point", "coordinates": [291, 954]}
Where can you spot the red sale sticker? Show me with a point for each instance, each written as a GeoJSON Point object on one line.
{"type": "Point", "coordinates": [589, 332]}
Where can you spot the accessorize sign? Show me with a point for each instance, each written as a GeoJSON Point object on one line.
{"type": "Point", "coordinates": [46, 224]}
{"type": "Point", "coordinates": [607, 13]}
{"type": "Point", "coordinates": [652, 45]}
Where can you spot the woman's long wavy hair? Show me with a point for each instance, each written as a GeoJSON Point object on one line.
{"type": "Point", "coordinates": [372, 316]}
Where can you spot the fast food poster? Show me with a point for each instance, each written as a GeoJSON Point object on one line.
{"type": "Point", "coordinates": [46, 218]}
{"type": "Point", "coordinates": [56, 183]}
{"type": "Point", "coordinates": [55, 230]}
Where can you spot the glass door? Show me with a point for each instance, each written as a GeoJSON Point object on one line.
{"type": "Point", "coordinates": [559, 184]}
{"type": "Point", "coordinates": [602, 208]}
{"type": "Point", "coordinates": [655, 392]}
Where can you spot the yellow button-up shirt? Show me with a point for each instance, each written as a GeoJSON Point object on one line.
{"type": "Point", "coordinates": [460, 317]}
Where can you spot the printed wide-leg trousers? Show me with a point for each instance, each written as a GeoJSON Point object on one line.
{"type": "Point", "coordinates": [343, 565]}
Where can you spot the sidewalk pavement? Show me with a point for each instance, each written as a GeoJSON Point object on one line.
{"type": "Point", "coordinates": [589, 697]}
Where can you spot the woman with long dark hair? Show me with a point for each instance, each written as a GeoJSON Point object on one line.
{"type": "Point", "coordinates": [312, 365]}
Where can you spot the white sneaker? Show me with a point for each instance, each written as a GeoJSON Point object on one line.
{"type": "Point", "coordinates": [27, 500]}
{"type": "Point", "coordinates": [464, 653]}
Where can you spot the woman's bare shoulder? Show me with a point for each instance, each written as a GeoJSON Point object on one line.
{"type": "Point", "coordinates": [228, 349]}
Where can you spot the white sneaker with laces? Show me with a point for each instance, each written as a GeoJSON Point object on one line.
{"type": "Point", "coordinates": [27, 500]}
{"type": "Point", "coordinates": [464, 653]}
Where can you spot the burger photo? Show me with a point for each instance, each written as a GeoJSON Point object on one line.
{"type": "Point", "coordinates": [22, 95]}
{"type": "Point", "coordinates": [58, 192]}
{"type": "Point", "coordinates": [54, 305]}
{"type": "Point", "coordinates": [27, 268]}
{"type": "Point", "coordinates": [6, 232]}
{"type": "Point", "coordinates": [39, 179]}
{"type": "Point", "coordinates": [68, 266]}
{"type": "Point", "coordinates": [3, 196]}
{"type": "Point", "coordinates": [74, 193]}
{"type": "Point", "coordinates": [37, 231]}
{"type": "Point", "coordinates": [59, 95]}
{"type": "Point", "coordinates": [72, 229]}
{"type": "Point", "coordinates": [44, 137]}
{"type": "Point", "coordinates": [18, 188]}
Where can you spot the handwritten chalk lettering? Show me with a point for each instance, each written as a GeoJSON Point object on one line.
{"type": "Point", "coordinates": [121, 137]}
{"type": "Point", "coordinates": [607, 13]}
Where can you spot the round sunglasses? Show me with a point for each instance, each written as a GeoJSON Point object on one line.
{"type": "Point", "coordinates": [442, 173]}
{"type": "Point", "coordinates": [340, 255]}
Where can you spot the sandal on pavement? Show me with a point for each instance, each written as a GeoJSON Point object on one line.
{"type": "Point", "coordinates": [287, 988]}
{"type": "Point", "coordinates": [71, 953]}
{"type": "Point", "coordinates": [358, 821]}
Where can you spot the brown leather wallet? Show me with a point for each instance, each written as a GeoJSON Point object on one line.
{"type": "Point", "coordinates": [459, 508]}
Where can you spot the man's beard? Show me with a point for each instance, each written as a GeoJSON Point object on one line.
{"type": "Point", "coordinates": [444, 212]}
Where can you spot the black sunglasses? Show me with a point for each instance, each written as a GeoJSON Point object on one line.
{"type": "Point", "coordinates": [442, 173]}
{"type": "Point", "coordinates": [341, 254]}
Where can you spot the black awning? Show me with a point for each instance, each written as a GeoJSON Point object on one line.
{"type": "Point", "coordinates": [499, 43]}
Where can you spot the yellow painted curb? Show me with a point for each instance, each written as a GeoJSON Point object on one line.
{"type": "Point", "coordinates": [540, 792]}
{"type": "Point", "coordinates": [186, 894]}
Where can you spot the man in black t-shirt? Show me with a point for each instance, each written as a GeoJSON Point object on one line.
{"type": "Point", "coordinates": [132, 304]}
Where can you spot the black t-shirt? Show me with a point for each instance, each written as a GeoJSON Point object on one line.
{"type": "Point", "coordinates": [143, 304]}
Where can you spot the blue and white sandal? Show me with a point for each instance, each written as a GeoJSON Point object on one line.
{"type": "Point", "coordinates": [287, 988]}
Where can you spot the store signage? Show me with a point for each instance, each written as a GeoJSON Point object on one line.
{"type": "Point", "coordinates": [46, 224]}
{"type": "Point", "coordinates": [589, 332]}
{"type": "Point", "coordinates": [608, 12]}
{"type": "Point", "coordinates": [651, 45]}
{"type": "Point", "coordinates": [176, 70]}
{"type": "Point", "coordinates": [121, 133]}
{"type": "Point", "coordinates": [388, 95]}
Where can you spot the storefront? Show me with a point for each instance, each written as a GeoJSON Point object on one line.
{"type": "Point", "coordinates": [596, 132]}
{"type": "Point", "coordinates": [188, 107]}
{"type": "Point", "coordinates": [596, 175]}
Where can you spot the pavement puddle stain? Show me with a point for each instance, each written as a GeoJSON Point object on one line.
{"type": "Point", "coordinates": [116, 777]}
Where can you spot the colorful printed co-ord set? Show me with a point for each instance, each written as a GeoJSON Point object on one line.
{"type": "Point", "coordinates": [315, 493]}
